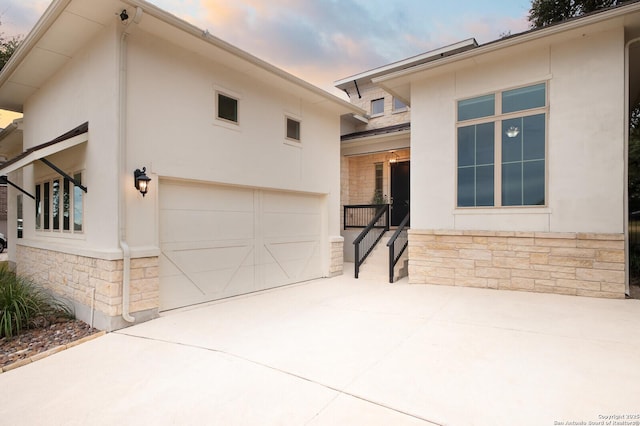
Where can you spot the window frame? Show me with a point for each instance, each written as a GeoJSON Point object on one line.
{"type": "Point", "coordinates": [43, 210]}
{"type": "Point", "coordinates": [287, 118]}
{"type": "Point", "coordinates": [497, 118]}
{"type": "Point", "coordinates": [377, 114]}
{"type": "Point", "coordinates": [395, 110]}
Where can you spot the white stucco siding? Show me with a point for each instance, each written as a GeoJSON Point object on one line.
{"type": "Point", "coordinates": [173, 131]}
{"type": "Point", "coordinates": [586, 134]}
{"type": "Point", "coordinates": [585, 162]}
{"type": "Point", "coordinates": [82, 91]}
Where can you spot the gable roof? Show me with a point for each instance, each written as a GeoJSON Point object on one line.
{"type": "Point", "coordinates": [67, 25]}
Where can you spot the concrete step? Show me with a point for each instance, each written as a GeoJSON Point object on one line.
{"type": "Point", "coordinates": [376, 266]}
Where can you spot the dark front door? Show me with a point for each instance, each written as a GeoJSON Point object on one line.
{"type": "Point", "coordinates": [399, 192]}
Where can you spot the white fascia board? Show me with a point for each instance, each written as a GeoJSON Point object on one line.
{"type": "Point", "coordinates": [513, 41]}
{"type": "Point", "coordinates": [405, 63]}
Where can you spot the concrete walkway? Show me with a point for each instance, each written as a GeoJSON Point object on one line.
{"type": "Point", "coordinates": [348, 352]}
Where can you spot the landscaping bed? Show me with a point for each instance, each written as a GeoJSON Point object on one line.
{"type": "Point", "coordinates": [31, 342]}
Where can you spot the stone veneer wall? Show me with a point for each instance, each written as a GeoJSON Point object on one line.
{"type": "Point", "coordinates": [336, 260]}
{"type": "Point", "coordinates": [75, 277]}
{"type": "Point", "coordinates": [582, 264]}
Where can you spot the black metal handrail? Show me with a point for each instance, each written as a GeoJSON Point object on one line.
{"type": "Point", "coordinates": [397, 244]}
{"type": "Point", "coordinates": [369, 237]}
{"type": "Point", "coordinates": [359, 216]}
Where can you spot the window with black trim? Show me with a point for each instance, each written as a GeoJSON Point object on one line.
{"type": "Point", "coordinates": [501, 148]}
{"type": "Point", "coordinates": [59, 204]}
{"type": "Point", "coordinates": [293, 129]}
{"type": "Point", "coordinates": [227, 108]}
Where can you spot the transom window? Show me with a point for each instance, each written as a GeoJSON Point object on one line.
{"type": "Point", "coordinates": [377, 106]}
{"type": "Point", "coordinates": [501, 145]}
{"type": "Point", "coordinates": [227, 108]}
{"type": "Point", "coordinates": [59, 205]}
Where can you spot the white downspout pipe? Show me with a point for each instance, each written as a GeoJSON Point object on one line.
{"type": "Point", "coordinates": [122, 159]}
{"type": "Point", "coordinates": [626, 157]}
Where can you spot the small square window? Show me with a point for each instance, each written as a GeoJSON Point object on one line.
{"type": "Point", "coordinates": [377, 106]}
{"type": "Point", "coordinates": [227, 108]}
{"type": "Point", "coordinates": [293, 129]}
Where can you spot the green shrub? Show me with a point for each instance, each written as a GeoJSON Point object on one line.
{"type": "Point", "coordinates": [24, 305]}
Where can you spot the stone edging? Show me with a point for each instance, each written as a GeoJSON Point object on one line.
{"type": "Point", "coordinates": [51, 351]}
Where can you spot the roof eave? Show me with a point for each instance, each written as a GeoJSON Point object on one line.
{"type": "Point", "coordinates": [514, 40]}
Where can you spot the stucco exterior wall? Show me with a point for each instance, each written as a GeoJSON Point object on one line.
{"type": "Point", "coordinates": [174, 132]}
{"type": "Point", "coordinates": [585, 146]}
{"type": "Point", "coordinates": [575, 243]}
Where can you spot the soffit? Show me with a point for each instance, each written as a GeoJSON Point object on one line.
{"type": "Point", "coordinates": [59, 34]}
{"type": "Point", "coordinates": [67, 26]}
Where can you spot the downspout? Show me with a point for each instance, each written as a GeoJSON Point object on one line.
{"type": "Point", "coordinates": [626, 158]}
{"type": "Point", "coordinates": [122, 159]}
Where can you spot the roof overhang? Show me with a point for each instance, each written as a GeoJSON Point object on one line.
{"type": "Point", "coordinates": [398, 83]}
{"type": "Point", "coordinates": [67, 25]}
{"type": "Point", "coordinates": [368, 76]}
{"type": "Point", "coordinates": [11, 138]}
{"type": "Point", "coordinates": [70, 139]}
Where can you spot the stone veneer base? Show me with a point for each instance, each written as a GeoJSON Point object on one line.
{"type": "Point", "coordinates": [336, 256]}
{"type": "Point", "coordinates": [582, 264]}
{"type": "Point", "coordinates": [94, 286]}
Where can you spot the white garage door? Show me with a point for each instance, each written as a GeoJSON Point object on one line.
{"type": "Point", "coordinates": [220, 241]}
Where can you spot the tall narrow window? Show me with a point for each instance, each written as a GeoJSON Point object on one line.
{"type": "Point", "coordinates": [378, 194]}
{"type": "Point", "coordinates": [47, 206]}
{"type": "Point", "coordinates": [475, 165]}
{"type": "Point", "coordinates": [77, 204]}
{"type": "Point", "coordinates": [38, 208]}
{"type": "Point", "coordinates": [19, 214]}
{"type": "Point", "coordinates": [66, 204]}
{"type": "Point", "coordinates": [55, 208]}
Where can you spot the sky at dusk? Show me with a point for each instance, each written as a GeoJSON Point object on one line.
{"type": "Point", "coordinates": [322, 41]}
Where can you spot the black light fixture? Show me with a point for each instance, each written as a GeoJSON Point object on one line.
{"type": "Point", "coordinates": [124, 16]}
{"type": "Point", "coordinates": [141, 180]}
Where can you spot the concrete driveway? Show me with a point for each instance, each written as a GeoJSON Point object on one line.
{"type": "Point", "coordinates": [348, 352]}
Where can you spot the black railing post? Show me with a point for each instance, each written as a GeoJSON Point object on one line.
{"type": "Point", "coordinates": [370, 241]}
{"type": "Point", "coordinates": [357, 259]}
{"type": "Point", "coordinates": [393, 258]}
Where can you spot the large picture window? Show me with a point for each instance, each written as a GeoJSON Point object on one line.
{"type": "Point", "coordinates": [59, 204]}
{"type": "Point", "coordinates": [501, 148]}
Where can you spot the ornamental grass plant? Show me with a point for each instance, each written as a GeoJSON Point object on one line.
{"type": "Point", "coordinates": [24, 305]}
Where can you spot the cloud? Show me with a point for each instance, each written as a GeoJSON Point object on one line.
{"type": "Point", "coordinates": [19, 16]}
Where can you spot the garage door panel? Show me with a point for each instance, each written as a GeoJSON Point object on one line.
{"type": "Point", "coordinates": [278, 225]}
{"type": "Point", "coordinates": [284, 202]}
{"type": "Point", "coordinates": [209, 259]}
{"type": "Point", "coordinates": [189, 225]}
{"type": "Point", "coordinates": [220, 241]}
{"type": "Point", "coordinates": [191, 196]}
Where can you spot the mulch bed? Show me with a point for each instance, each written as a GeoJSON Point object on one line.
{"type": "Point", "coordinates": [33, 341]}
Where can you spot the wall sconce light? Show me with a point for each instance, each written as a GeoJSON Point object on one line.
{"type": "Point", "coordinates": [141, 180]}
{"type": "Point", "coordinates": [124, 16]}
{"type": "Point", "coordinates": [393, 159]}
{"type": "Point", "coordinates": [512, 131]}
